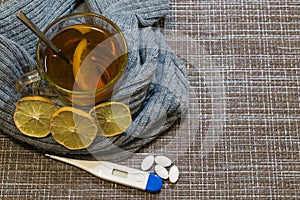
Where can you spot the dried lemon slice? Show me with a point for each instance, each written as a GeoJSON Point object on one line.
{"type": "Point", "coordinates": [73, 128]}
{"type": "Point", "coordinates": [113, 118]}
{"type": "Point", "coordinates": [32, 115]}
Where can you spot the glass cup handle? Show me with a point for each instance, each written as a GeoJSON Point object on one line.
{"type": "Point", "coordinates": [23, 82]}
{"type": "Point", "coordinates": [30, 84]}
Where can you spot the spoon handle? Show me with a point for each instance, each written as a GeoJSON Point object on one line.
{"type": "Point", "coordinates": [41, 35]}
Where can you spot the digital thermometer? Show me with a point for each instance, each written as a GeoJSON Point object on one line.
{"type": "Point", "coordinates": [117, 173]}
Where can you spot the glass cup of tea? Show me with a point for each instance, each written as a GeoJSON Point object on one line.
{"type": "Point", "coordinates": [97, 50]}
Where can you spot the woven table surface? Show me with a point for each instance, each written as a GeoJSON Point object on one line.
{"type": "Point", "coordinates": [241, 136]}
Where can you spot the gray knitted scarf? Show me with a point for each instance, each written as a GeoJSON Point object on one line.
{"type": "Point", "coordinates": [155, 85]}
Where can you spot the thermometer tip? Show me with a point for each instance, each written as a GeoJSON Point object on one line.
{"type": "Point", "coordinates": [154, 183]}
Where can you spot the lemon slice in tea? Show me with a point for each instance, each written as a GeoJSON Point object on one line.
{"type": "Point", "coordinates": [32, 115]}
{"type": "Point", "coordinates": [83, 29]}
{"type": "Point", "coordinates": [73, 128]}
{"type": "Point", "coordinates": [78, 56]}
{"type": "Point", "coordinates": [113, 118]}
{"type": "Point", "coordinates": [85, 71]}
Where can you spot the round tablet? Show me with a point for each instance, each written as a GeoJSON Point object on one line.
{"type": "Point", "coordinates": [161, 172]}
{"type": "Point", "coordinates": [174, 174]}
{"type": "Point", "coordinates": [147, 163]}
{"type": "Point", "coordinates": [163, 161]}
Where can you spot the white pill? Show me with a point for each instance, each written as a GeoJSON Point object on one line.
{"type": "Point", "coordinates": [174, 174]}
{"type": "Point", "coordinates": [161, 171]}
{"type": "Point", "coordinates": [163, 161]}
{"type": "Point", "coordinates": [147, 163]}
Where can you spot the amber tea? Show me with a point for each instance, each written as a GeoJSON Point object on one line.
{"type": "Point", "coordinates": [95, 56]}
{"type": "Point", "coordinates": [98, 54]}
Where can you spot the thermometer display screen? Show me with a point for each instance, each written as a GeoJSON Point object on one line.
{"type": "Point", "coordinates": [119, 173]}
